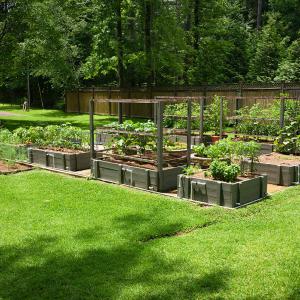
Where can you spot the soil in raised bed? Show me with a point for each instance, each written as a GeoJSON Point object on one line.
{"type": "Point", "coordinates": [6, 168]}
{"type": "Point", "coordinates": [280, 159]}
{"type": "Point", "coordinates": [62, 150]}
{"type": "Point", "coordinates": [201, 175]}
{"type": "Point", "coordinates": [180, 160]}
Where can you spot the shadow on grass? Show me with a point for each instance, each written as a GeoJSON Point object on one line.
{"type": "Point", "coordinates": [41, 269]}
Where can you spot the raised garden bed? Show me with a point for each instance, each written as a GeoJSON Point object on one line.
{"type": "Point", "coordinates": [145, 178]}
{"type": "Point", "coordinates": [231, 195]}
{"type": "Point", "coordinates": [7, 168]}
{"type": "Point", "coordinates": [71, 161]}
{"type": "Point", "coordinates": [281, 169]}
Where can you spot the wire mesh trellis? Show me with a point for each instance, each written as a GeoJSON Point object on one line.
{"type": "Point", "coordinates": [13, 152]}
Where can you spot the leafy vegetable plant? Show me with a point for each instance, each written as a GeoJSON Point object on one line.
{"type": "Point", "coordinates": [221, 170]}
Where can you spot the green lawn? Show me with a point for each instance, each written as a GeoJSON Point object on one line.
{"type": "Point", "coordinates": [40, 117]}
{"type": "Point", "coordinates": [65, 238]}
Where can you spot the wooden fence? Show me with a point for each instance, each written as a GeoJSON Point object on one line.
{"type": "Point", "coordinates": [78, 100]}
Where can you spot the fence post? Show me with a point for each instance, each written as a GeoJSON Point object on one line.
{"type": "Point", "coordinates": [92, 128]}
{"type": "Point", "coordinates": [78, 101]}
{"type": "Point", "coordinates": [282, 106]}
{"type": "Point", "coordinates": [221, 117]}
{"type": "Point", "coordinates": [109, 104]}
{"type": "Point", "coordinates": [202, 119]}
{"type": "Point", "coordinates": [189, 127]}
{"type": "Point", "coordinates": [160, 142]}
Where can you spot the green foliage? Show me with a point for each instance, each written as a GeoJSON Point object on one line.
{"type": "Point", "coordinates": [200, 150]}
{"type": "Point", "coordinates": [257, 120]}
{"type": "Point", "coordinates": [288, 140]}
{"type": "Point", "coordinates": [222, 149]}
{"type": "Point", "coordinates": [180, 110]}
{"type": "Point", "coordinates": [64, 136]}
{"type": "Point", "coordinates": [12, 152]}
{"type": "Point", "coordinates": [173, 146]}
{"type": "Point", "coordinates": [70, 43]}
{"type": "Point", "coordinates": [191, 170]}
{"type": "Point", "coordinates": [268, 49]}
{"type": "Point", "coordinates": [213, 112]}
{"type": "Point", "coordinates": [140, 135]}
{"type": "Point", "coordinates": [221, 170]}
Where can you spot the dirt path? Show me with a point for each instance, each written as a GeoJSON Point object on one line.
{"type": "Point", "coordinates": [8, 114]}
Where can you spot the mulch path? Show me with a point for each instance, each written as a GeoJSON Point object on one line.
{"type": "Point", "coordinates": [10, 168]}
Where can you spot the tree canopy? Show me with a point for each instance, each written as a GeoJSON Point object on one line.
{"type": "Point", "coordinates": [148, 42]}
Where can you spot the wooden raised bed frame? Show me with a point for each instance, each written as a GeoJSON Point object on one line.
{"type": "Point", "coordinates": [59, 160]}
{"type": "Point", "coordinates": [278, 174]}
{"type": "Point", "coordinates": [146, 179]}
{"type": "Point", "coordinates": [222, 193]}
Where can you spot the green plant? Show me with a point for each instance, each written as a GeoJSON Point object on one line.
{"type": "Point", "coordinates": [173, 146]}
{"type": "Point", "coordinates": [221, 149]}
{"type": "Point", "coordinates": [259, 120]}
{"type": "Point", "coordinates": [213, 113]}
{"type": "Point", "coordinates": [191, 170]}
{"type": "Point", "coordinates": [246, 150]}
{"type": "Point", "coordinates": [179, 110]}
{"type": "Point", "coordinates": [221, 170]}
{"type": "Point", "coordinates": [200, 150]}
{"type": "Point", "coordinates": [287, 141]}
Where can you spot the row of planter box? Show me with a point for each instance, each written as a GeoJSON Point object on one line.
{"type": "Point", "coordinates": [203, 190]}
{"type": "Point", "coordinates": [103, 138]}
{"type": "Point", "coordinates": [279, 175]}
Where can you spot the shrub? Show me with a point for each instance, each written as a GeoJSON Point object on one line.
{"type": "Point", "coordinates": [288, 138]}
{"type": "Point", "coordinates": [200, 150]}
{"type": "Point", "coordinates": [191, 170]}
{"type": "Point", "coordinates": [222, 149]}
{"type": "Point", "coordinates": [6, 136]}
{"type": "Point", "coordinates": [221, 170]}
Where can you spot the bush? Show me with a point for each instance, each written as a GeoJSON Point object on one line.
{"type": "Point", "coordinates": [200, 150]}
{"type": "Point", "coordinates": [64, 136]}
{"type": "Point", "coordinates": [191, 170]}
{"type": "Point", "coordinates": [221, 170]}
{"type": "Point", "coordinates": [258, 120]}
{"type": "Point", "coordinates": [288, 140]}
{"type": "Point", "coordinates": [133, 136]}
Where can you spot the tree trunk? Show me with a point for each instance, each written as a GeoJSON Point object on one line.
{"type": "Point", "coordinates": [259, 14]}
{"type": "Point", "coordinates": [148, 41]}
{"type": "Point", "coordinates": [196, 24]}
{"type": "Point", "coordinates": [120, 51]}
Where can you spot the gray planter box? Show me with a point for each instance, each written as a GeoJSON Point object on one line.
{"type": "Point", "coordinates": [279, 175]}
{"type": "Point", "coordinates": [222, 193]}
{"type": "Point", "coordinates": [266, 148]}
{"type": "Point", "coordinates": [137, 177]}
{"type": "Point", "coordinates": [63, 161]}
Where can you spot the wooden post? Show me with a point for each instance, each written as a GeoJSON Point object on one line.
{"type": "Point", "coordinates": [92, 128]}
{"type": "Point", "coordinates": [282, 106]}
{"type": "Point", "coordinates": [28, 91]}
{"type": "Point", "coordinates": [78, 101]}
{"type": "Point", "coordinates": [221, 117]}
{"type": "Point", "coordinates": [155, 112]}
{"type": "Point", "coordinates": [160, 142]}
{"type": "Point", "coordinates": [120, 113]}
{"type": "Point", "coordinates": [202, 120]}
{"type": "Point", "coordinates": [282, 110]}
{"type": "Point", "coordinates": [189, 127]}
